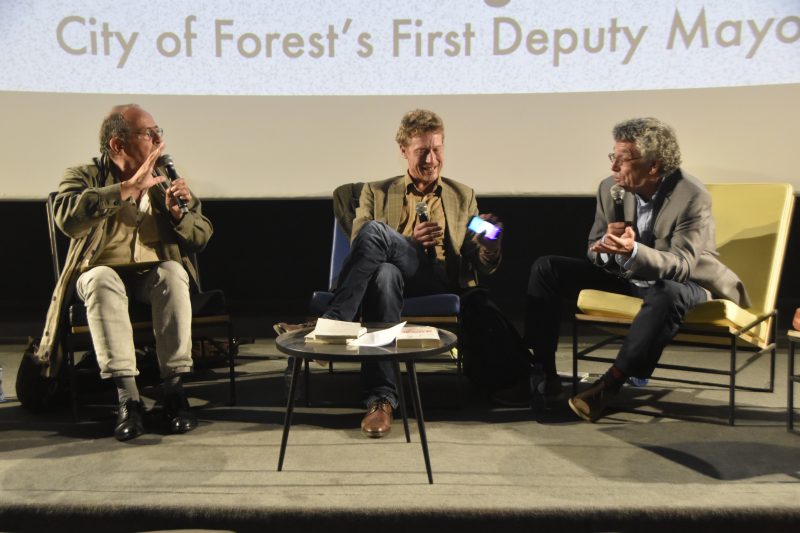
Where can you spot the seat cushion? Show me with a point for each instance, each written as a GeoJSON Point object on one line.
{"type": "Point", "coordinates": [721, 313]}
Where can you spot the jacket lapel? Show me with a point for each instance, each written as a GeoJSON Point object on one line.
{"type": "Point", "coordinates": [394, 203]}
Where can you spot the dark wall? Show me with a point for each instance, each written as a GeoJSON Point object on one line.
{"type": "Point", "coordinates": [269, 255]}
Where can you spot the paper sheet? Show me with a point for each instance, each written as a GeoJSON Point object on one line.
{"type": "Point", "coordinates": [381, 337]}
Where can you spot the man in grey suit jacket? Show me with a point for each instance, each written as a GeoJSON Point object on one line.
{"type": "Point", "coordinates": [665, 254]}
{"type": "Point", "coordinates": [396, 253]}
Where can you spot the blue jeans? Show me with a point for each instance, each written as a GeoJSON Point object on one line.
{"type": "Point", "coordinates": [382, 268]}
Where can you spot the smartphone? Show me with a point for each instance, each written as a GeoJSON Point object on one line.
{"type": "Point", "coordinates": [478, 225]}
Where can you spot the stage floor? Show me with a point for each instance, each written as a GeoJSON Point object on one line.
{"type": "Point", "coordinates": [498, 468]}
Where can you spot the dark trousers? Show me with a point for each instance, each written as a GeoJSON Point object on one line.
{"type": "Point", "coordinates": [556, 279]}
{"type": "Point", "coordinates": [383, 267]}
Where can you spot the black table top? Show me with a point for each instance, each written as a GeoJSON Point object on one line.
{"type": "Point", "coordinates": [293, 344]}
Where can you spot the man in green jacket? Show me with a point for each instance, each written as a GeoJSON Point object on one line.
{"type": "Point", "coordinates": [132, 231]}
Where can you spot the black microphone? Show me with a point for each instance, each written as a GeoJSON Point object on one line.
{"type": "Point", "coordinates": [422, 214]}
{"type": "Point", "coordinates": [172, 175]}
{"type": "Point", "coordinates": [618, 195]}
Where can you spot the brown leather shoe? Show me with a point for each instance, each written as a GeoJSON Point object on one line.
{"type": "Point", "coordinates": [378, 420]}
{"type": "Point", "coordinates": [591, 403]}
{"type": "Point", "coordinates": [796, 320]}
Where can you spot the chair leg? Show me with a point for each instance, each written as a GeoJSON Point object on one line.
{"type": "Point", "coordinates": [233, 351]}
{"type": "Point", "coordinates": [73, 385]}
{"type": "Point", "coordinates": [774, 339]}
{"type": "Point", "coordinates": [732, 393]}
{"type": "Point", "coordinates": [574, 357]}
{"type": "Point", "coordinates": [790, 385]}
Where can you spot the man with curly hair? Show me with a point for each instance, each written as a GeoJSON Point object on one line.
{"type": "Point", "coordinates": [665, 254]}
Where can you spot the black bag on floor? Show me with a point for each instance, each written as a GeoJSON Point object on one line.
{"type": "Point", "coordinates": [36, 392]}
{"type": "Point", "coordinates": [493, 352]}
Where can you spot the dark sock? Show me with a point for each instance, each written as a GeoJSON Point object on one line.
{"type": "Point", "coordinates": [547, 362]}
{"type": "Point", "coordinates": [126, 389]}
{"type": "Point", "coordinates": [173, 384]}
{"type": "Point", "coordinates": [615, 377]}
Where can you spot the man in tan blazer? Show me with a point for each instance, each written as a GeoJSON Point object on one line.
{"type": "Point", "coordinates": [653, 238]}
{"type": "Point", "coordinates": [409, 238]}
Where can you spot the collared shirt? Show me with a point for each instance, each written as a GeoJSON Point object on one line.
{"type": "Point", "coordinates": [134, 238]}
{"type": "Point", "coordinates": [409, 217]}
{"type": "Point", "coordinates": [644, 228]}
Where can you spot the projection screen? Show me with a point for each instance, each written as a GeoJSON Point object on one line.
{"type": "Point", "coordinates": [291, 98]}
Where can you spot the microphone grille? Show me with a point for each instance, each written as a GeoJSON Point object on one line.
{"type": "Point", "coordinates": [422, 209]}
{"type": "Point", "coordinates": [617, 192]}
{"type": "Point", "coordinates": [165, 160]}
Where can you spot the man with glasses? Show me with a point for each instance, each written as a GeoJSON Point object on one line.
{"type": "Point", "coordinates": [131, 238]}
{"type": "Point", "coordinates": [665, 254]}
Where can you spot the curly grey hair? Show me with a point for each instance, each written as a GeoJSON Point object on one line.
{"type": "Point", "coordinates": [654, 139]}
{"type": "Point", "coordinates": [114, 125]}
{"type": "Point", "coordinates": [418, 122]}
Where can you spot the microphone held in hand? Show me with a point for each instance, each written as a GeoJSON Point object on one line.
{"type": "Point", "coordinates": [166, 161]}
{"type": "Point", "coordinates": [422, 212]}
{"type": "Point", "coordinates": [423, 216]}
{"type": "Point", "coordinates": [618, 195]}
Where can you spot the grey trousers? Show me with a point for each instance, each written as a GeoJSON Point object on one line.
{"type": "Point", "coordinates": [166, 288]}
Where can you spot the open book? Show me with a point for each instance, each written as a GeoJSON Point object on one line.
{"type": "Point", "coordinates": [418, 337]}
{"type": "Point", "coordinates": [335, 331]}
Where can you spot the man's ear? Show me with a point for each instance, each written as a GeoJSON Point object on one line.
{"type": "Point", "coordinates": [116, 144]}
{"type": "Point", "coordinates": [655, 168]}
{"type": "Point", "coordinates": [404, 151]}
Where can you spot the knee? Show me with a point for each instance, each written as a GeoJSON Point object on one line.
{"type": "Point", "coordinates": [541, 270]}
{"type": "Point", "coordinates": [100, 279]}
{"type": "Point", "coordinates": [371, 232]}
{"type": "Point", "coordinates": [387, 278]}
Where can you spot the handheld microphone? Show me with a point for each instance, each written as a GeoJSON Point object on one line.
{"type": "Point", "coordinates": [422, 212]}
{"type": "Point", "coordinates": [423, 215]}
{"type": "Point", "coordinates": [172, 175]}
{"type": "Point", "coordinates": [618, 195]}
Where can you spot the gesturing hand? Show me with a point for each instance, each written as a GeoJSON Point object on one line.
{"type": "Point", "coordinates": [612, 244]}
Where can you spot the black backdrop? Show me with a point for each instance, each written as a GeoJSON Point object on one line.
{"type": "Point", "coordinates": [269, 255]}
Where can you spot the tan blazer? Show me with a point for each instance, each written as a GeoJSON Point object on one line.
{"type": "Point", "coordinates": [382, 201]}
{"type": "Point", "coordinates": [685, 243]}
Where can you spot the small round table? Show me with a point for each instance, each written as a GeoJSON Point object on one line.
{"type": "Point", "coordinates": [293, 344]}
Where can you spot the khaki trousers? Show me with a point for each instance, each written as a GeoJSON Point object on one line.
{"type": "Point", "coordinates": [166, 288]}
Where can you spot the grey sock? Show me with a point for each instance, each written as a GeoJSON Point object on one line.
{"type": "Point", "coordinates": [126, 388]}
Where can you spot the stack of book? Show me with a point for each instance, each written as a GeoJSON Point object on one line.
{"type": "Point", "coordinates": [418, 337]}
{"type": "Point", "coordinates": [335, 331]}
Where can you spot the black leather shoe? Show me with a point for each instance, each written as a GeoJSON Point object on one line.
{"type": "Point", "coordinates": [129, 420]}
{"type": "Point", "coordinates": [178, 413]}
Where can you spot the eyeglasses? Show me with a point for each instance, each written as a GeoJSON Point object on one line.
{"type": "Point", "coordinates": [153, 133]}
{"type": "Point", "coordinates": [616, 160]}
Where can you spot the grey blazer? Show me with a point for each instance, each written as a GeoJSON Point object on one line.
{"type": "Point", "coordinates": [684, 248]}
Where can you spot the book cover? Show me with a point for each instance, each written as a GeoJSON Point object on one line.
{"type": "Point", "coordinates": [418, 337]}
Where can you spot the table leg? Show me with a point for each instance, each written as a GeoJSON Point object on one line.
{"type": "Point", "coordinates": [287, 421]}
{"type": "Point", "coordinates": [402, 397]}
{"type": "Point", "coordinates": [412, 376]}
